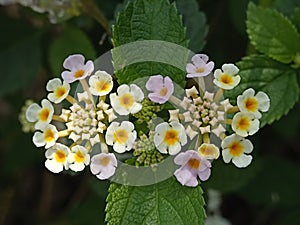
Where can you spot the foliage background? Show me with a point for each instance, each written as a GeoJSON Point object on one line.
{"type": "Point", "coordinates": [32, 51]}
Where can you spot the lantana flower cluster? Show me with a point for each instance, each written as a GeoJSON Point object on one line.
{"type": "Point", "coordinates": [91, 128]}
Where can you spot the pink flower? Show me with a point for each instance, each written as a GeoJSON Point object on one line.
{"type": "Point", "coordinates": [199, 67]}
{"type": "Point", "coordinates": [77, 69]}
{"type": "Point", "coordinates": [161, 88]}
{"type": "Point", "coordinates": [192, 165]}
{"type": "Point", "coordinates": [103, 165]}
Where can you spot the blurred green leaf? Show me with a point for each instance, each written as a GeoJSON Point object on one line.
{"type": "Point", "coordinates": [286, 6]}
{"type": "Point", "coordinates": [290, 218]}
{"type": "Point", "coordinates": [272, 33]}
{"type": "Point", "coordinates": [20, 55]}
{"type": "Point", "coordinates": [277, 183]}
{"type": "Point", "coordinates": [237, 13]}
{"type": "Point", "coordinates": [195, 22]}
{"type": "Point", "coordinates": [296, 17]}
{"type": "Point", "coordinates": [167, 203]}
{"type": "Point", "coordinates": [279, 81]}
{"type": "Point", "coordinates": [229, 178]}
{"type": "Point", "coordinates": [148, 20]}
{"type": "Point", "coordinates": [71, 41]}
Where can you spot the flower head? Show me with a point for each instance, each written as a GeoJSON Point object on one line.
{"type": "Point", "coordinates": [76, 69]}
{"type": "Point", "coordinates": [209, 151]}
{"type": "Point", "coordinates": [47, 137]}
{"type": "Point", "coordinates": [103, 165]}
{"type": "Point", "coordinates": [101, 83]}
{"type": "Point", "coordinates": [57, 158]}
{"type": "Point", "coordinates": [78, 158]}
{"type": "Point", "coordinates": [244, 124]}
{"type": "Point", "coordinates": [234, 148]}
{"type": "Point", "coordinates": [40, 115]}
{"type": "Point", "coordinates": [128, 99]}
{"type": "Point", "coordinates": [249, 102]}
{"type": "Point", "coordinates": [120, 136]}
{"type": "Point", "coordinates": [200, 66]}
{"type": "Point", "coordinates": [161, 88]}
{"type": "Point", "coordinates": [169, 137]}
{"type": "Point", "coordinates": [228, 78]}
{"type": "Point", "coordinates": [192, 166]}
{"type": "Point", "coordinates": [59, 90]}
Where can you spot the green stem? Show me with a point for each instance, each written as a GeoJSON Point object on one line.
{"type": "Point", "coordinates": [91, 8]}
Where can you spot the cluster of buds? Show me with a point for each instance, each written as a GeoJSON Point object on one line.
{"type": "Point", "coordinates": [96, 127]}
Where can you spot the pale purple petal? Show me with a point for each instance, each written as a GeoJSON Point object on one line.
{"type": "Point", "coordinates": [190, 68]}
{"type": "Point", "coordinates": [74, 62]}
{"type": "Point", "coordinates": [183, 157]}
{"type": "Point", "coordinates": [185, 177]}
{"type": "Point", "coordinates": [205, 174]}
{"type": "Point", "coordinates": [155, 83]}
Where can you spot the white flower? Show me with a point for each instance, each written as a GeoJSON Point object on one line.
{"type": "Point", "coordinates": [60, 90]}
{"type": "Point", "coordinates": [120, 136]}
{"type": "Point", "coordinates": [103, 165]}
{"type": "Point", "coordinates": [128, 99]}
{"type": "Point", "coordinates": [76, 69]}
{"type": "Point", "coordinates": [40, 115]}
{"type": "Point", "coordinates": [47, 137]}
{"type": "Point", "coordinates": [234, 148]}
{"type": "Point", "coordinates": [78, 158]}
{"type": "Point", "coordinates": [249, 102]}
{"type": "Point", "coordinates": [200, 66]}
{"type": "Point", "coordinates": [244, 124]}
{"type": "Point", "coordinates": [169, 137]}
{"type": "Point", "coordinates": [209, 151]}
{"type": "Point", "coordinates": [57, 158]}
{"type": "Point", "coordinates": [101, 83]}
{"type": "Point", "coordinates": [228, 78]}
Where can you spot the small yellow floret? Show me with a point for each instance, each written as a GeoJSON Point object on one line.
{"type": "Point", "coordinates": [79, 73]}
{"type": "Point", "coordinates": [171, 137]}
{"type": "Point", "coordinates": [60, 156]}
{"type": "Point", "coordinates": [121, 136]}
{"type": "Point", "coordinates": [194, 163]}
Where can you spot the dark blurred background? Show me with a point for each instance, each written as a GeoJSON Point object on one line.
{"type": "Point", "coordinates": [32, 50]}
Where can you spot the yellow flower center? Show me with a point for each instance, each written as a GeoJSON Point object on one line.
{"type": "Point", "coordinates": [79, 73]}
{"type": "Point", "coordinates": [236, 149]}
{"type": "Point", "coordinates": [59, 92]}
{"type": "Point", "coordinates": [251, 104]}
{"type": "Point", "coordinates": [200, 70]}
{"type": "Point", "coordinates": [208, 150]}
{"type": "Point", "coordinates": [163, 91]}
{"type": "Point", "coordinates": [102, 86]}
{"type": "Point", "coordinates": [121, 136]}
{"type": "Point", "coordinates": [104, 161]}
{"type": "Point", "coordinates": [171, 137]}
{"type": "Point", "coordinates": [44, 114]}
{"type": "Point", "coordinates": [49, 135]}
{"type": "Point", "coordinates": [226, 79]}
{"type": "Point", "coordinates": [126, 100]}
{"type": "Point", "coordinates": [243, 123]}
{"type": "Point", "coordinates": [60, 156]}
{"type": "Point", "coordinates": [194, 163]}
{"type": "Point", "coordinates": [79, 157]}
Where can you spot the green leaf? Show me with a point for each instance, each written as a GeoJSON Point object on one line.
{"type": "Point", "coordinates": [195, 22]}
{"type": "Point", "coordinates": [286, 6]}
{"type": "Point", "coordinates": [272, 33]}
{"type": "Point", "coordinates": [166, 203]}
{"type": "Point", "coordinates": [71, 41]}
{"type": "Point", "coordinates": [149, 20]}
{"type": "Point", "coordinates": [279, 81]}
{"type": "Point", "coordinates": [20, 55]}
{"type": "Point", "coordinates": [296, 17]}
